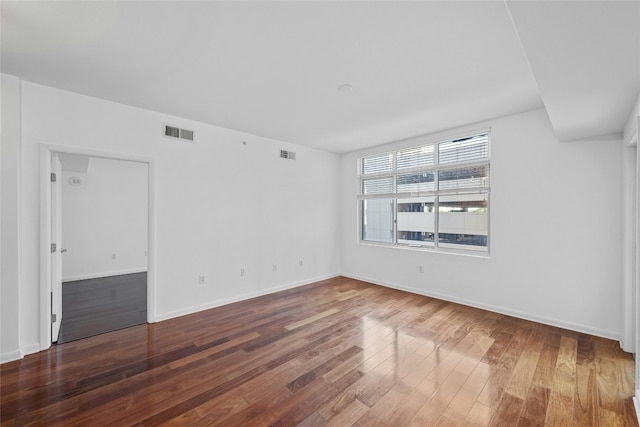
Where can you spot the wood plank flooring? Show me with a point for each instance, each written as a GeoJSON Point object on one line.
{"type": "Point", "coordinates": [95, 306]}
{"type": "Point", "coordinates": [335, 353]}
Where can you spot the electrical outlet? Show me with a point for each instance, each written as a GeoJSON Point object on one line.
{"type": "Point", "coordinates": [201, 280]}
{"type": "Point", "coordinates": [113, 255]}
{"type": "Point", "coordinates": [275, 267]}
{"type": "Point", "coordinates": [242, 272]}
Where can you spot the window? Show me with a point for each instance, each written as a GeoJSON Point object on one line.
{"type": "Point", "coordinates": [435, 195]}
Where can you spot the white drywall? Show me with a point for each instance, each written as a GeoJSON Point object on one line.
{"type": "Point", "coordinates": [104, 219]}
{"type": "Point", "coordinates": [223, 205]}
{"type": "Point", "coordinates": [10, 219]}
{"type": "Point", "coordinates": [220, 205]}
{"type": "Point", "coordinates": [555, 233]}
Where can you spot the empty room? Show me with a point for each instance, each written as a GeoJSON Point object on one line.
{"type": "Point", "coordinates": [319, 213]}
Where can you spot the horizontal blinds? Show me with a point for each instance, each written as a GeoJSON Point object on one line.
{"type": "Point", "coordinates": [377, 185]}
{"type": "Point", "coordinates": [464, 178]}
{"type": "Point", "coordinates": [415, 157]}
{"type": "Point", "coordinates": [416, 182]}
{"type": "Point", "coordinates": [457, 166]}
{"type": "Point", "coordinates": [464, 150]}
{"type": "Point", "coordinates": [377, 163]}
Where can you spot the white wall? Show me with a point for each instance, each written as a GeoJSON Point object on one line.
{"type": "Point", "coordinates": [106, 214]}
{"type": "Point", "coordinates": [555, 225]}
{"type": "Point", "coordinates": [220, 205]}
{"type": "Point", "coordinates": [10, 218]}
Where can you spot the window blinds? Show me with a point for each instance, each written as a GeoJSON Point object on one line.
{"type": "Point", "coordinates": [377, 163]}
{"type": "Point", "coordinates": [429, 168]}
{"type": "Point", "coordinates": [415, 157]}
{"type": "Point", "coordinates": [464, 150]}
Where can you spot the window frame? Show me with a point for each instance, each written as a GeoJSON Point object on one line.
{"type": "Point", "coordinates": [437, 193]}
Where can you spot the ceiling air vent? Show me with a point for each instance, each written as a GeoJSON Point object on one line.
{"type": "Point", "coordinates": [174, 132]}
{"type": "Point", "coordinates": [287, 154]}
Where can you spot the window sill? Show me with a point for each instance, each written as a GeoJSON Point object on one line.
{"type": "Point", "coordinates": [444, 251]}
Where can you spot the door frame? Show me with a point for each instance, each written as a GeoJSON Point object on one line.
{"type": "Point", "coordinates": [45, 230]}
{"type": "Point", "coordinates": [56, 256]}
{"type": "Point", "coordinates": [629, 256]}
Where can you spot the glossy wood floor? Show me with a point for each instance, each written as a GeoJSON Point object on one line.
{"type": "Point", "coordinates": [95, 306]}
{"type": "Point", "coordinates": [338, 352]}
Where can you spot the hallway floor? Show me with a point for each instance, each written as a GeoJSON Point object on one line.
{"type": "Point", "coordinates": [95, 306]}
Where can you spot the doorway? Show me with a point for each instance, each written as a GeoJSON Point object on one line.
{"type": "Point", "coordinates": [97, 226]}
{"type": "Point", "coordinates": [103, 245]}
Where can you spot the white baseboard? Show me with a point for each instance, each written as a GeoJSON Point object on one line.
{"type": "Point", "coordinates": [243, 297]}
{"type": "Point", "coordinates": [501, 310]}
{"type": "Point", "coordinates": [30, 349]}
{"type": "Point", "coordinates": [103, 274]}
{"type": "Point", "coordinates": [626, 346]}
{"type": "Point", "coordinates": [10, 356]}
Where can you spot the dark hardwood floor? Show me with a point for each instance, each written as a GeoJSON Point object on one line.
{"type": "Point", "coordinates": [95, 306]}
{"type": "Point", "coordinates": [339, 352]}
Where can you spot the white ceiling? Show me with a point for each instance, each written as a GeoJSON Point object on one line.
{"type": "Point", "coordinates": [585, 56]}
{"type": "Point", "coordinates": [272, 68]}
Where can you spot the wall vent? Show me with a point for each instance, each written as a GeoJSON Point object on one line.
{"type": "Point", "coordinates": [186, 134]}
{"type": "Point", "coordinates": [287, 154]}
{"type": "Point", "coordinates": [174, 132]}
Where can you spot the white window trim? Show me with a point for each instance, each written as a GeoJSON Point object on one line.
{"type": "Point", "coordinates": [443, 248]}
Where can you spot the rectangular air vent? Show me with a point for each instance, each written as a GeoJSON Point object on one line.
{"type": "Point", "coordinates": [171, 131]}
{"type": "Point", "coordinates": [287, 154]}
{"type": "Point", "coordinates": [174, 132]}
{"type": "Point", "coordinates": [186, 134]}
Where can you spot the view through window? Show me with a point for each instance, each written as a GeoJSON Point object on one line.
{"type": "Point", "coordinates": [435, 195]}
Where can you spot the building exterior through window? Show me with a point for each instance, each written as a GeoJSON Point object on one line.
{"type": "Point", "coordinates": [434, 196]}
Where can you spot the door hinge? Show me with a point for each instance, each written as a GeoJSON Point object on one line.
{"type": "Point", "coordinates": [53, 177]}
{"type": "Point", "coordinates": [54, 247]}
{"type": "Point", "coordinates": [54, 318]}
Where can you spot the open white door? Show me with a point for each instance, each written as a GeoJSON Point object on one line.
{"type": "Point", "coordinates": [56, 260]}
